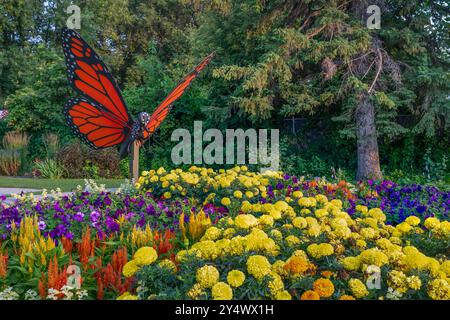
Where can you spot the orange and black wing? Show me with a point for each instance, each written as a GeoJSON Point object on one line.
{"type": "Point", "coordinates": [90, 77]}
{"type": "Point", "coordinates": [92, 125]}
{"type": "Point", "coordinates": [163, 109]}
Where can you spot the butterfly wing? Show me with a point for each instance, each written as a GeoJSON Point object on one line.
{"type": "Point", "coordinates": [89, 122]}
{"type": "Point", "coordinates": [90, 77]}
{"type": "Point", "coordinates": [163, 109]}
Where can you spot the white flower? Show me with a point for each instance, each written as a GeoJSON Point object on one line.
{"type": "Point", "coordinates": [9, 294]}
{"type": "Point", "coordinates": [52, 294]}
{"type": "Point", "coordinates": [393, 294]}
{"type": "Point", "coordinates": [31, 295]}
{"type": "Point", "coordinates": [81, 294]}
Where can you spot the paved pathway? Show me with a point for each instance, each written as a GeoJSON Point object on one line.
{"type": "Point", "coordinates": [9, 191]}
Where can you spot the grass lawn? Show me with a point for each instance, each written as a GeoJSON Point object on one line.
{"type": "Point", "coordinates": [64, 184]}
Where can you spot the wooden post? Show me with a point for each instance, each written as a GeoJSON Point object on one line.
{"type": "Point", "coordinates": [134, 162]}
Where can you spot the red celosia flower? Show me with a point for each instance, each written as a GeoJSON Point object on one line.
{"type": "Point", "coordinates": [3, 264]}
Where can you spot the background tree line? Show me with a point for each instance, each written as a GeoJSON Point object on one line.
{"type": "Point", "coordinates": [371, 101]}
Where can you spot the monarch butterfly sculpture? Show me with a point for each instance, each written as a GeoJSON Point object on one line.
{"type": "Point", "coordinates": [100, 116]}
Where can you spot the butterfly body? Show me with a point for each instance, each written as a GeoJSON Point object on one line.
{"type": "Point", "coordinates": [138, 132]}
{"type": "Point", "coordinates": [100, 117]}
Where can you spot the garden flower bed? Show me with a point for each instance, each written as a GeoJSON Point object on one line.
{"type": "Point", "coordinates": [246, 235]}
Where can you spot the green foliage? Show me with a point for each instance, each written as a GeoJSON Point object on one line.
{"type": "Point", "coordinates": [49, 168]}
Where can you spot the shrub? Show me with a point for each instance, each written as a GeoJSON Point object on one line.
{"type": "Point", "coordinates": [9, 162]}
{"type": "Point", "coordinates": [51, 144]}
{"type": "Point", "coordinates": [17, 143]}
{"type": "Point", "coordinates": [15, 140]}
{"type": "Point", "coordinates": [50, 169]}
{"type": "Point", "coordinates": [82, 162]}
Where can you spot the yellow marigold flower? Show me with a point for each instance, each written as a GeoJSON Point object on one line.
{"type": "Point", "coordinates": [431, 223]}
{"type": "Point", "coordinates": [275, 284]}
{"type": "Point", "coordinates": [258, 266]}
{"type": "Point", "coordinates": [279, 267]}
{"type": "Point", "coordinates": [439, 289]}
{"type": "Point", "coordinates": [314, 231]}
{"type": "Point", "coordinates": [403, 227]}
{"type": "Point", "coordinates": [167, 263]}
{"type": "Point", "coordinates": [206, 249]}
{"type": "Point", "coordinates": [300, 222]}
{"type": "Point", "coordinates": [444, 228]}
{"type": "Point", "coordinates": [297, 194]}
{"type": "Point", "coordinates": [371, 222]}
{"type": "Point", "coordinates": [127, 296]}
{"type": "Point", "coordinates": [414, 282]}
{"type": "Point", "coordinates": [320, 213]}
{"type": "Point", "coordinates": [397, 281]}
{"type": "Point", "coordinates": [181, 255]}
{"type": "Point", "coordinates": [376, 213]}
{"type": "Point", "coordinates": [195, 291]}
{"type": "Point", "coordinates": [373, 256]}
{"type": "Point", "coordinates": [212, 233]}
{"type": "Point", "coordinates": [358, 288]}
{"type": "Point", "coordinates": [207, 276]}
{"type": "Point", "coordinates": [235, 278]}
{"type": "Point", "coordinates": [445, 267]}
{"type": "Point", "coordinates": [305, 212]}
{"type": "Point", "coordinates": [307, 202]}
{"type": "Point", "coordinates": [266, 220]}
{"type": "Point", "coordinates": [310, 295]}
{"type": "Point", "coordinates": [167, 195]}
{"type": "Point", "coordinates": [283, 295]}
{"type": "Point", "coordinates": [237, 194]}
{"type": "Point", "coordinates": [229, 232]}
{"type": "Point", "coordinates": [351, 263]}
{"type": "Point", "coordinates": [246, 206]}
{"type": "Point", "coordinates": [245, 221]}
{"type": "Point", "coordinates": [395, 240]}
{"type": "Point", "coordinates": [320, 250]}
{"type": "Point", "coordinates": [281, 205]}
{"type": "Point", "coordinates": [361, 208]}
{"type": "Point", "coordinates": [346, 297]}
{"type": "Point", "coordinates": [412, 220]}
{"type": "Point", "coordinates": [321, 198]}
{"type": "Point", "coordinates": [145, 256]}
{"type": "Point", "coordinates": [130, 268]}
{"type": "Point", "coordinates": [225, 201]}
{"type": "Point", "coordinates": [292, 240]}
{"type": "Point", "coordinates": [323, 287]}
{"type": "Point", "coordinates": [165, 184]}
{"type": "Point", "coordinates": [238, 245]}
{"type": "Point", "coordinates": [337, 203]}
{"type": "Point", "coordinates": [361, 243]}
{"type": "Point", "coordinates": [287, 226]}
{"type": "Point", "coordinates": [368, 233]}
{"type": "Point", "coordinates": [276, 234]}
{"type": "Point", "coordinates": [222, 291]}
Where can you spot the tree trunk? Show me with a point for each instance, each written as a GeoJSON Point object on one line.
{"type": "Point", "coordinates": [366, 135]}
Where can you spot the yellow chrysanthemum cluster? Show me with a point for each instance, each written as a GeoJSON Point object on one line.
{"type": "Point", "coordinates": [274, 243]}
{"type": "Point", "coordinates": [143, 256]}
